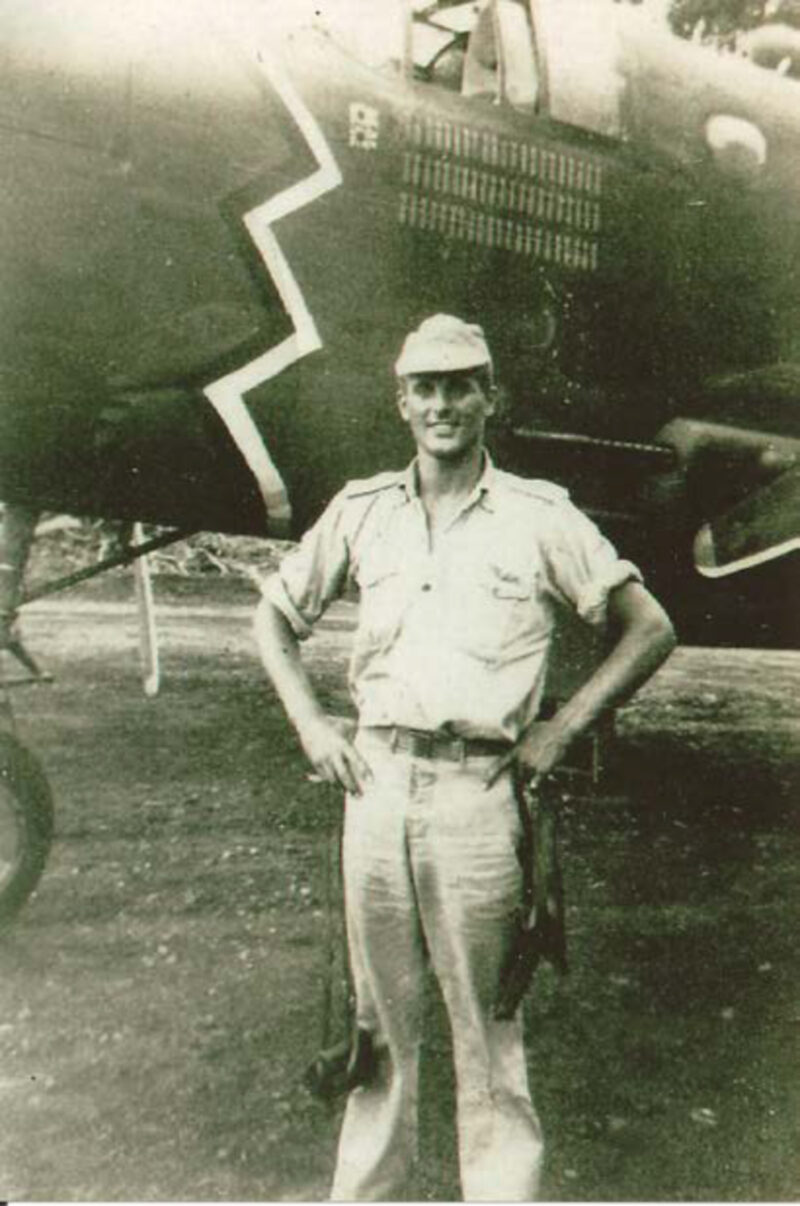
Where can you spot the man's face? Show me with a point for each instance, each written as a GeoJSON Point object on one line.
{"type": "Point", "coordinates": [446, 412]}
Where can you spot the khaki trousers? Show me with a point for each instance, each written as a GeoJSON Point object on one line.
{"type": "Point", "coordinates": [430, 862]}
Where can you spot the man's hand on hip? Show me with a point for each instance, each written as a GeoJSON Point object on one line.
{"type": "Point", "coordinates": [538, 752]}
{"type": "Point", "coordinates": [328, 747]}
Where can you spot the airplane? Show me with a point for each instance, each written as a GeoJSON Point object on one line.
{"type": "Point", "coordinates": [218, 221]}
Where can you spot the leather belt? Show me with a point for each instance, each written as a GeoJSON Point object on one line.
{"type": "Point", "coordinates": [427, 743]}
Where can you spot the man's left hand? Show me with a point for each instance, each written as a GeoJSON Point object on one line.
{"type": "Point", "coordinates": [538, 752]}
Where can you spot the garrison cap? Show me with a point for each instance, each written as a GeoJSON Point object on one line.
{"type": "Point", "coordinates": [443, 344]}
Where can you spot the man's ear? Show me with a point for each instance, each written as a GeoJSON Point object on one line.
{"type": "Point", "coordinates": [402, 405]}
{"type": "Point", "coordinates": [491, 400]}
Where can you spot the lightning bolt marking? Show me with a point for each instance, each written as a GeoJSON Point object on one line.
{"type": "Point", "coordinates": [227, 394]}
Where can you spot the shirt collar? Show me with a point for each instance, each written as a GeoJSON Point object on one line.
{"type": "Point", "coordinates": [484, 488]}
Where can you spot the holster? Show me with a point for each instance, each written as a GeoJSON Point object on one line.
{"type": "Point", "coordinates": [342, 1067]}
{"type": "Point", "coordinates": [539, 928]}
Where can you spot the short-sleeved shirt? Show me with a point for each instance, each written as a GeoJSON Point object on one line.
{"type": "Point", "coordinates": [453, 635]}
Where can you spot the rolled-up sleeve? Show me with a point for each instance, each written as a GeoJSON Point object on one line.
{"type": "Point", "coordinates": [314, 573]}
{"type": "Point", "coordinates": [583, 566]}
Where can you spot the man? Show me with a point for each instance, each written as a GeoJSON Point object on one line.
{"type": "Point", "coordinates": [458, 566]}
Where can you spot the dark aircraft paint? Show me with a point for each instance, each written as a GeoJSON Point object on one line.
{"type": "Point", "coordinates": [177, 210]}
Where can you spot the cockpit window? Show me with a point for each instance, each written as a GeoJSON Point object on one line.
{"type": "Point", "coordinates": [500, 56]}
{"type": "Point", "coordinates": [482, 63]}
{"type": "Point", "coordinates": [559, 58]}
{"type": "Point", "coordinates": [438, 55]}
{"type": "Point", "coordinates": [579, 43]}
{"type": "Point", "coordinates": [482, 48]}
{"type": "Point", "coordinates": [518, 54]}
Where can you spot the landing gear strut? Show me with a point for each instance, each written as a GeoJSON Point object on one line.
{"type": "Point", "coordinates": [26, 803]}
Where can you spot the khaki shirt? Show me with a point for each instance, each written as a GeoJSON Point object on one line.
{"type": "Point", "coordinates": [456, 636]}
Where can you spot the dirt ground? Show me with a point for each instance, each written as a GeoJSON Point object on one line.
{"type": "Point", "coordinates": [163, 991]}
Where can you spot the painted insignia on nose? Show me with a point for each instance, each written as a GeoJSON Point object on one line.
{"type": "Point", "coordinates": [364, 127]}
{"type": "Point", "coordinates": [227, 394]}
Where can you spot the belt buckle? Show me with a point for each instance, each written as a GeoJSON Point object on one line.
{"type": "Point", "coordinates": [453, 748]}
{"type": "Point", "coordinates": [461, 746]}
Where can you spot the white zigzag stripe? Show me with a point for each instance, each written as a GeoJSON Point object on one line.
{"type": "Point", "coordinates": [226, 395]}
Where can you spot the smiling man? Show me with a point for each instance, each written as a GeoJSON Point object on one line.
{"type": "Point", "coordinates": [460, 568]}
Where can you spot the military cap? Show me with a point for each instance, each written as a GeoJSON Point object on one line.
{"type": "Point", "coordinates": [443, 344]}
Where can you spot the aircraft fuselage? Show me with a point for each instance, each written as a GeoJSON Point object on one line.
{"type": "Point", "coordinates": [211, 255]}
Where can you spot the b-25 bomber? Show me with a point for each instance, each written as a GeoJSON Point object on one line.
{"type": "Point", "coordinates": [218, 221]}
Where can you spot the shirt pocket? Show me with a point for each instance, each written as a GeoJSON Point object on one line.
{"type": "Point", "coordinates": [381, 587]}
{"type": "Point", "coordinates": [499, 614]}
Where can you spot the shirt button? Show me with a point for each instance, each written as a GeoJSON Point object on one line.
{"type": "Point", "coordinates": [426, 586]}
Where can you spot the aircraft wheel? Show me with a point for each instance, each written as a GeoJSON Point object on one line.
{"type": "Point", "coordinates": [26, 825]}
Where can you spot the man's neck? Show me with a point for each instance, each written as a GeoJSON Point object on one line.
{"type": "Point", "coordinates": [449, 480]}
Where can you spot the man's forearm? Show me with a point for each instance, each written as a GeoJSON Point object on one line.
{"type": "Point", "coordinates": [327, 747]}
{"type": "Point", "coordinates": [646, 640]}
{"type": "Point", "coordinates": [280, 654]}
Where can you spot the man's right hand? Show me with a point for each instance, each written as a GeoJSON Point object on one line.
{"type": "Point", "coordinates": [330, 751]}
{"type": "Point", "coordinates": [326, 740]}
